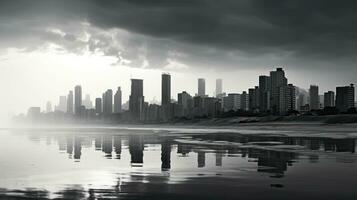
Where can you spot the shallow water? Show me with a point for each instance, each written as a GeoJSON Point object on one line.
{"type": "Point", "coordinates": [175, 164]}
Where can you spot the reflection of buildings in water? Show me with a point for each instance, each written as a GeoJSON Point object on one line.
{"type": "Point", "coordinates": [314, 144]}
{"type": "Point", "coordinates": [136, 149]}
{"type": "Point", "coordinates": [340, 145]}
{"type": "Point", "coordinates": [107, 146]}
{"type": "Point", "coordinates": [62, 144]}
{"type": "Point", "coordinates": [219, 156]}
{"type": "Point", "coordinates": [98, 142]}
{"type": "Point", "coordinates": [69, 146]}
{"type": "Point", "coordinates": [165, 154]}
{"type": "Point", "coordinates": [117, 146]}
{"type": "Point", "coordinates": [183, 149]}
{"type": "Point", "coordinates": [201, 159]}
{"type": "Point", "coordinates": [313, 158]}
{"type": "Point", "coordinates": [278, 161]}
{"type": "Point", "coordinates": [77, 148]}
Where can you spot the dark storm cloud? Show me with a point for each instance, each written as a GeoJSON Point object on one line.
{"type": "Point", "coordinates": [319, 27]}
{"type": "Point", "coordinates": [202, 30]}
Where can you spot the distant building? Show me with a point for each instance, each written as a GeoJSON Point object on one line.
{"type": "Point", "coordinates": [264, 93]}
{"type": "Point", "coordinates": [287, 99]}
{"type": "Point", "coordinates": [219, 88]}
{"type": "Point", "coordinates": [329, 99]}
{"type": "Point", "coordinates": [165, 89]}
{"type": "Point", "coordinates": [77, 99]}
{"type": "Point", "coordinates": [136, 99]}
{"type": "Point", "coordinates": [201, 87]}
{"type": "Point", "coordinates": [87, 102]}
{"type": "Point", "coordinates": [62, 104]}
{"type": "Point", "coordinates": [211, 106]}
{"type": "Point", "coordinates": [108, 102]}
{"type": "Point", "coordinates": [345, 98]}
{"type": "Point", "coordinates": [244, 101]}
{"type": "Point", "coordinates": [185, 100]}
{"type": "Point", "coordinates": [154, 114]}
{"type": "Point", "coordinates": [277, 80]}
{"type": "Point", "coordinates": [98, 106]}
{"type": "Point", "coordinates": [321, 101]}
{"type": "Point", "coordinates": [34, 113]}
{"type": "Point", "coordinates": [314, 97]}
{"type": "Point", "coordinates": [232, 102]}
{"type": "Point", "coordinates": [253, 97]}
{"type": "Point", "coordinates": [48, 107]}
{"type": "Point", "coordinates": [70, 102]}
{"type": "Point", "coordinates": [118, 101]}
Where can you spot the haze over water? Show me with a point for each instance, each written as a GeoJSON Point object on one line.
{"type": "Point", "coordinates": [178, 163]}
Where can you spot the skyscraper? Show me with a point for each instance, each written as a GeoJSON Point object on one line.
{"type": "Point", "coordinates": [345, 98]}
{"type": "Point", "coordinates": [314, 97]}
{"type": "Point", "coordinates": [108, 102]}
{"type": "Point", "coordinates": [329, 99]}
{"type": "Point", "coordinates": [70, 102]}
{"type": "Point", "coordinates": [77, 99]}
{"type": "Point", "coordinates": [165, 89]}
{"type": "Point", "coordinates": [291, 100]}
{"type": "Point", "coordinates": [98, 105]}
{"type": "Point", "coordinates": [264, 93]}
{"type": "Point", "coordinates": [136, 98]}
{"type": "Point", "coordinates": [62, 104]}
{"type": "Point", "coordinates": [201, 87]}
{"type": "Point", "coordinates": [117, 101]}
{"type": "Point", "coordinates": [244, 101]}
{"type": "Point", "coordinates": [277, 80]}
{"type": "Point", "coordinates": [253, 98]}
{"type": "Point", "coordinates": [87, 102]}
{"type": "Point", "coordinates": [219, 88]}
{"type": "Point", "coordinates": [48, 107]}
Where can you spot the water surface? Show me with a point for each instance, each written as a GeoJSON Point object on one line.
{"type": "Point", "coordinates": [107, 163]}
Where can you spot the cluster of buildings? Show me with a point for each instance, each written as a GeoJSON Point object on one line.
{"type": "Point", "coordinates": [273, 95]}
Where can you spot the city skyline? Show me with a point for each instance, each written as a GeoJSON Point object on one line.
{"type": "Point", "coordinates": [272, 95]}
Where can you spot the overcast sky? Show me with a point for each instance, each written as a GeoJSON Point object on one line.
{"type": "Point", "coordinates": [48, 46]}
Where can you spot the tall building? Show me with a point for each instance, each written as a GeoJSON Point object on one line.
{"type": "Point", "coordinates": [165, 89]}
{"type": "Point", "coordinates": [244, 101]}
{"type": "Point", "coordinates": [201, 87]}
{"type": "Point", "coordinates": [77, 100]}
{"type": "Point", "coordinates": [329, 99]}
{"type": "Point", "coordinates": [117, 101]}
{"type": "Point", "coordinates": [108, 102]}
{"type": "Point", "coordinates": [253, 97]}
{"type": "Point", "coordinates": [87, 102]}
{"type": "Point", "coordinates": [345, 98]}
{"type": "Point", "coordinates": [48, 107]}
{"type": "Point", "coordinates": [62, 104]}
{"type": "Point", "coordinates": [98, 105]}
{"type": "Point", "coordinates": [136, 99]}
{"type": "Point", "coordinates": [70, 102]}
{"type": "Point", "coordinates": [314, 97]}
{"type": "Point", "coordinates": [277, 80]}
{"type": "Point", "coordinates": [264, 93]}
{"type": "Point", "coordinates": [219, 88]}
{"type": "Point", "coordinates": [287, 99]}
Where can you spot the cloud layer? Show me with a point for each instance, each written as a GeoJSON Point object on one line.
{"type": "Point", "coordinates": [194, 33]}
